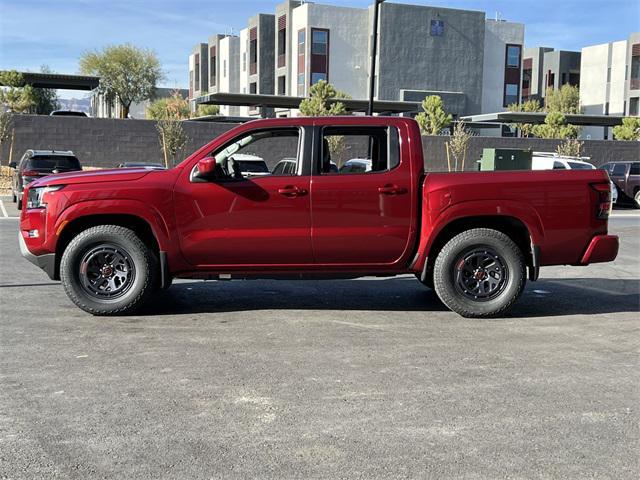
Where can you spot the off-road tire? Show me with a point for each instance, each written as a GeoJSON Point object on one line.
{"type": "Point", "coordinates": [144, 282]}
{"type": "Point", "coordinates": [450, 261]}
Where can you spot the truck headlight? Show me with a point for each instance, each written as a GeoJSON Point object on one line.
{"type": "Point", "coordinates": [35, 198]}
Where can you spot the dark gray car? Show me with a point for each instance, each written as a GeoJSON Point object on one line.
{"type": "Point", "coordinates": [626, 176]}
{"type": "Point", "coordinates": [35, 164]}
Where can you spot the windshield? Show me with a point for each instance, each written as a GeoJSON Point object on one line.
{"type": "Point", "coordinates": [53, 162]}
{"type": "Point", "coordinates": [580, 166]}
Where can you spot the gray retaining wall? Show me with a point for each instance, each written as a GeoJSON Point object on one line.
{"type": "Point", "coordinates": [102, 142]}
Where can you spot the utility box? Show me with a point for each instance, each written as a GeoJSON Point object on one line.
{"type": "Point", "coordinates": [505, 159]}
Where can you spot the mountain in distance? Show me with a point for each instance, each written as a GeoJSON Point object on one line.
{"type": "Point", "coordinates": [76, 104]}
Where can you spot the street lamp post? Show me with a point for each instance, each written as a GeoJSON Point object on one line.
{"type": "Point", "coordinates": [374, 48]}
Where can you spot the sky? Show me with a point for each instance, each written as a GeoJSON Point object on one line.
{"type": "Point", "coordinates": [55, 33]}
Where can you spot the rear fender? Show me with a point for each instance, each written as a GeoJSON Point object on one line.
{"type": "Point", "coordinates": [434, 221]}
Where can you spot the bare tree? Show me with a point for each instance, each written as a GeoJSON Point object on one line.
{"type": "Point", "coordinates": [457, 146]}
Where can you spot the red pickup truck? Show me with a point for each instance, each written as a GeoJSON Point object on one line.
{"type": "Point", "coordinates": [114, 237]}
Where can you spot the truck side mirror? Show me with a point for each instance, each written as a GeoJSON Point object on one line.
{"type": "Point", "coordinates": [13, 165]}
{"type": "Point", "coordinates": [207, 167]}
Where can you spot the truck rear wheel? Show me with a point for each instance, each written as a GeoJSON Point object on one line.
{"type": "Point", "coordinates": [480, 273]}
{"type": "Point", "coordinates": [108, 270]}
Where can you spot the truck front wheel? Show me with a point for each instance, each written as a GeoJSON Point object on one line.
{"type": "Point", "coordinates": [108, 270]}
{"type": "Point", "coordinates": [479, 273]}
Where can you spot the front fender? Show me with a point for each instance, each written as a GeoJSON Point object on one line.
{"type": "Point", "coordinates": [136, 208]}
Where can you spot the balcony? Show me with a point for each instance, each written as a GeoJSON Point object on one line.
{"type": "Point", "coordinates": [634, 84]}
{"type": "Point", "coordinates": [282, 60]}
{"type": "Point", "coordinates": [253, 68]}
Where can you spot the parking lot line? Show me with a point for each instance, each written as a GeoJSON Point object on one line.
{"type": "Point", "coordinates": [4, 210]}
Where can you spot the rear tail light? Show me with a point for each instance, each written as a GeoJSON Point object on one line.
{"type": "Point", "coordinates": [603, 200]}
{"type": "Point", "coordinates": [30, 173]}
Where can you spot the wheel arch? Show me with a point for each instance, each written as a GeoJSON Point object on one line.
{"type": "Point", "coordinates": [138, 224]}
{"type": "Point", "coordinates": [511, 226]}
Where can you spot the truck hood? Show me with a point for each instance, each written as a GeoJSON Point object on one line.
{"type": "Point", "coordinates": [92, 176]}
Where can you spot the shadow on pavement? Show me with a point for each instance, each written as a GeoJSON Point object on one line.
{"type": "Point", "coordinates": [571, 296]}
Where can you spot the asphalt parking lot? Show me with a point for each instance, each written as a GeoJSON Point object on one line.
{"type": "Point", "coordinates": [364, 378]}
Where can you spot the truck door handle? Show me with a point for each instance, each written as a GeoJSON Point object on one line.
{"type": "Point", "coordinates": [391, 189]}
{"type": "Point", "coordinates": [292, 191]}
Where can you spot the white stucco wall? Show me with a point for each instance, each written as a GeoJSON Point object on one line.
{"type": "Point", "coordinates": [242, 69]}
{"type": "Point", "coordinates": [595, 92]}
{"type": "Point", "coordinates": [229, 73]}
{"type": "Point", "coordinates": [348, 46]}
{"type": "Point", "coordinates": [497, 35]}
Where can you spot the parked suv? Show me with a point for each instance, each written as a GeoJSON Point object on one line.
{"type": "Point", "coordinates": [626, 176]}
{"type": "Point", "coordinates": [36, 164]}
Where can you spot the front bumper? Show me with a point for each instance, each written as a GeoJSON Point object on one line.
{"type": "Point", "coordinates": [603, 248]}
{"type": "Point", "coordinates": [46, 262]}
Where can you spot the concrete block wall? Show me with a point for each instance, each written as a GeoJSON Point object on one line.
{"type": "Point", "coordinates": [101, 142]}
{"type": "Point", "coordinates": [600, 151]}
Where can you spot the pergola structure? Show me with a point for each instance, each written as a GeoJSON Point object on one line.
{"type": "Point", "coordinates": [388, 107]}
{"type": "Point", "coordinates": [60, 81]}
{"type": "Point", "coordinates": [538, 118]}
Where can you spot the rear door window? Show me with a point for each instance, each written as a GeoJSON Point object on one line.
{"type": "Point", "coordinates": [579, 166]}
{"type": "Point", "coordinates": [619, 170]}
{"type": "Point", "coordinates": [635, 169]}
{"type": "Point", "coordinates": [370, 149]}
{"type": "Point", "coordinates": [559, 166]}
{"type": "Point", "coordinates": [52, 162]}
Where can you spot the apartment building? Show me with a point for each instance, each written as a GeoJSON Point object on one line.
{"type": "Point", "coordinates": [198, 70]}
{"type": "Point", "coordinates": [224, 68]}
{"type": "Point", "coordinates": [472, 62]}
{"type": "Point", "coordinates": [610, 81]}
{"type": "Point", "coordinates": [544, 68]}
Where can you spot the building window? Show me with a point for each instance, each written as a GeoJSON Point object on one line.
{"type": "Point", "coordinates": [437, 28]}
{"type": "Point", "coordinates": [282, 84]}
{"type": "Point", "coordinates": [635, 68]}
{"type": "Point", "coordinates": [319, 65]}
{"type": "Point", "coordinates": [513, 56]}
{"type": "Point", "coordinates": [197, 82]}
{"type": "Point", "coordinates": [510, 94]}
{"type": "Point", "coordinates": [633, 105]}
{"type": "Point", "coordinates": [212, 68]}
{"type": "Point", "coordinates": [253, 88]}
{"type": "Point", "coordinates": [526, 80]}
{"type": "Point", "coordinates": [574, 79]}
{"type": "Point", "coordinates": [319, 39]}
{"type": "Point", "coordinates": [244, 61]}
{"type": "Point", "coordinates": [551, 79]}
{"type": "Point", "coordinates": [316, 77]}
{"type": "Point", "coordinates": [301, 61]}
{"type": "Point", "coordinates": [253, 51]}
{"type": "Point", "coordinates": [608, 74]}
{"type": "Point", "coordinates": [282, 40]}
